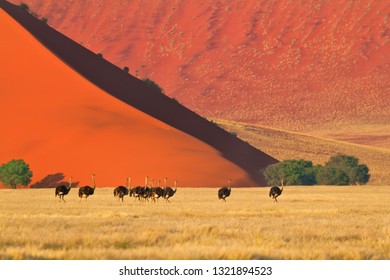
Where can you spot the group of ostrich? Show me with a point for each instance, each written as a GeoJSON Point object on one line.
{"type": "Point", "coordinates": [149, 192]}
{"type": "Point", "coordinates": [142, 193]}
{"type": "Point", "coordinates": [274, 192]}
{"type": "Point", "coordinates": [146, 192]}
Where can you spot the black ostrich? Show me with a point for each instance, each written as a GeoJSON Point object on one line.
{"type": "Point", "coordinates": [87, 190]}
{"type": "Point", "coordinates": [224, 192]}
{"type": "Point", "coordinates": [148, 190]}
{"type": "Point", "coordinates": [138, 191]}
{"type": "Point", "coordinates": [168, 191]}
{"type": "Point", "coordinates": [63, 190]}
{"type": "Point", "coordinates": [157, 192]}
{"type": "Point", "coordinates": [275, 191]}
{"type": "Point", "coordinates": [121, 191]}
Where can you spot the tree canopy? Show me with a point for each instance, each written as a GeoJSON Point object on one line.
{"type": "Point", "coordinates": [153, 84]}
{"type": "Point", "coordinates": [294, 172]}
{"type": "Point", "coordinates": [15, 173]}
{"type": "Point", "coordinates": [344, 170]}
{"type": "Point", "coordinates": [339, 170]}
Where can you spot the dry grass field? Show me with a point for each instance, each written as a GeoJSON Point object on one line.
{"type": "Point", "coordinates": [307, 223]}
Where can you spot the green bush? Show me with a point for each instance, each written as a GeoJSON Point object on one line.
{"type": "Point", "coordinates": [293, 172]}
{"type": "Point", "coordinates": [339, 170]}
{"type": "Point", "coordinates": [15, 173]}
{"type": "Point", "coordinates": [24, 6]}
{"type": "Point", "coordinates": [356, 173]}
{"type": "Point", "coordinates": [327, 175]}
{"type": "Point", "coordinates": [153, 84]}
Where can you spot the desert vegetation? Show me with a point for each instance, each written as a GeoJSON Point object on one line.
{"type": "Point", "coordinates": [26, 8]}
{"type": "Point", "coordinates": [14, 173]}
{"type": "Point", "coordinates": [323, 223]}
{"type": "Point", "coordinates": [153, 84]}
{"type": "Point", "coordinates": [338, 170]}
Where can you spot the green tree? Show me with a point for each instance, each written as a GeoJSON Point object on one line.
{"type": "Point", "coordinates": [327, 175]}
{"type": "Point", "coordinates": [273, 174]}
{"type": "Point", "coordinates": [24, 6]}
{"type": "Point", "coordinates": [356, 173]}
{"type": "Point", "coordinates": [15, 173]}
{"type": "Point", "coordinates": [153, 84]}
{"type": "Point", "coordinates": [294, 172]}
{"type": "Point", "coordinates": [362, 175]}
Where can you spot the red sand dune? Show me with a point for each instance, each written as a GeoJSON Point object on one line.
{"type": "Point", "coordinates": [64, 125]}
{"type": "Point", "coordinates": [294, 65]}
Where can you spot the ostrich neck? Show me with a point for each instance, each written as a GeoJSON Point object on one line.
{"type": "Point", "coordinates": [93, 182]}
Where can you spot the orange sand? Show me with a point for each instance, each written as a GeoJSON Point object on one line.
{"type": "Point", "coordinates": [58, 122]}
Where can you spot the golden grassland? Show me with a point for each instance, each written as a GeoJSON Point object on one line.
{"type": "Point", "coordinates": [284, 145]}
{"type": "Point", "coordinates": [307, 223]}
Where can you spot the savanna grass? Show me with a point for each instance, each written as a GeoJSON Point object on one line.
{"type": "Point", "coordinates": [307, 223]}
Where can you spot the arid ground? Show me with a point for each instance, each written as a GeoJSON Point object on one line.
{"type": "Point", "coordinates": [307, 223]}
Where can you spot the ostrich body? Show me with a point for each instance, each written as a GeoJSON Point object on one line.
{"type": "Point", "coordinates": [138, 191]}
{"type": "Point", "coordinates": [224, 192]}
{"type": "Point", "coordinates": [87, 190]}
{"type": "Point", "coordinates": [274, 192]}
{"type": "Point", "coordinates": [168, 191]}
{"type": "Point", "coordinates": [157, 192]}
{"type": "Point", "coordinates": [121, 191]}
{"type": "Point", "coordinates": [63, 190]}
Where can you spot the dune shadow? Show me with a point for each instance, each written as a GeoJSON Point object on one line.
{"type": "Point", "coordinates": [52, 181]}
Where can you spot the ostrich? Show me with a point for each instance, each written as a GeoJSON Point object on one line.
{"type": "Point", "coordinates": [87, 190]}
{"type": "Point", "coordinates": [146, 189]}
{"type": "Point", "coordinates": [121, 191]}
{"type": "Point", "coordinates": [275, 191]}
{"type": "Point", "coordinates": [63, 190]}
{"type": "Point", "coordinates": [138, 191]}
{"type": "Point", "coordinates": [224, 192]}
{"type": "Point", "coordinates": [168, 191]}
{"type": "Point", "coordinates": [157, 192]}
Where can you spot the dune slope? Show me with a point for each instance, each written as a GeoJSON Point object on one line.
{"type": "Point", "coordinates": [295, 65]}
{"type": "Point", "coordinates": [104, 122]}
